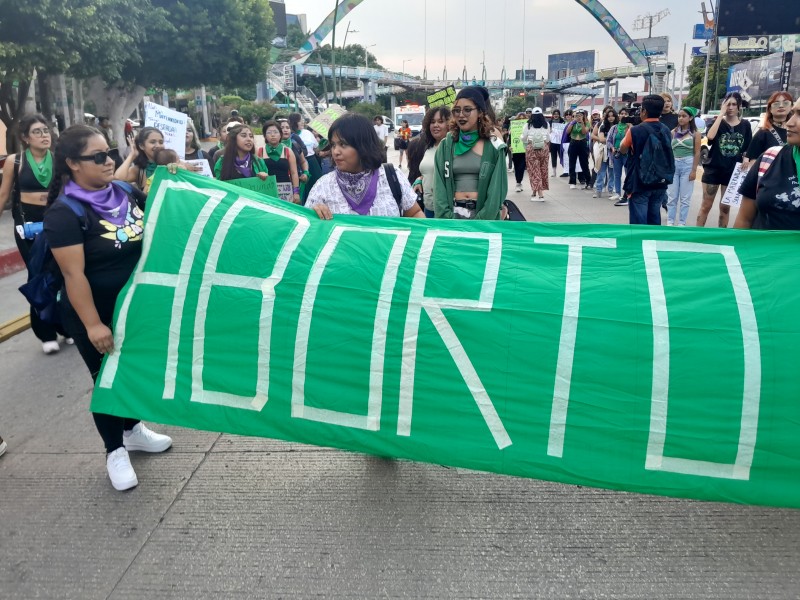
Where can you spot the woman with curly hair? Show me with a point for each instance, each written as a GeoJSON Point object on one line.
{"type": "Point", "coordinates": [422, 154]}
{"type": "Point", "coordinates": [470, 176]}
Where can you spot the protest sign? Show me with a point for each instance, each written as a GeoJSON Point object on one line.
{"type": "Point", "coordinates": [514, 131]}
{"type": "Point", "coordinates": [323, 121]}
{"type": "Point", "coordinates": [200, 166]}
{"type": "Point", "coordinates": [171, 124]}
{"type": "Point", "coordinates": [649, 359]}
{"type": "Point", "coordinates": [285, 192]}
{"type": "Point", "coordinates": [268, 186]}
{"type": "Point", "coordinates": [732, 196]}
{"type": "Point", "coordinates": [443, 97]}
{"type": "Point", "coordinates": [557, 132]}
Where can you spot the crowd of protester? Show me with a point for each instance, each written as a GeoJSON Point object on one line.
{"type": "Point", "coordinates": [90, 203]}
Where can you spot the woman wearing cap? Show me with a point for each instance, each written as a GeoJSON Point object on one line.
{"type": "Point", "coordinates": [536, 139]}
{"type": "Point", "coordinates": [686, 150]}
{"type": "Point", "coordinates": [773, 127]}
{"type": "Point", "coordinates": [578, 132]}
{"type": "Point", "coordinates": [728, 138]}
{"type": "Point", "coordinates": [471, 181]}
{"type": "Point", "coordinates": [771, 190]}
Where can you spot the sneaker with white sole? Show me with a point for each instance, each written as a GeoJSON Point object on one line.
{"type": "Point", "coordinates": [621, 202]}
{"type": "Point", "coordinates": [50, 347]}
{"type": "Point", "coordinates": [69, 341]}
{"type": "Point", "coordinates": [120, 471]}
{"type": "Point", "coordinates": [572, 186]}
{"type": "Point", "coordinates": [614, 197]}
{"type": "Point", "coordinates": [597, 195]}
{"type": "Point", "coordinates": [3, 446]}
{"type": "Point", "coordinates": [535, 198]}
{"type": "Point", "coordinates": [519, 187]}
{"type": "Point", "coordinates": [145, 440]}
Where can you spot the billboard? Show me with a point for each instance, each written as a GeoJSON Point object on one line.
{"type": "Point", "coordinates": [569, 64]}
{"type": "Point", "coordinates": [746, 17]}
{"type": "Point", "coordinates": [530, 75]}
{"type": "Point", "coordinates": [757, 79]}
{"type": "Point", "coordinates": [279, 16]}
{"type": "Point", "coordinates": [701, 32]}
{"type": "Point", "coordinates": [653, 46]}
{"type": "Point", "coordinates": [754, 44]}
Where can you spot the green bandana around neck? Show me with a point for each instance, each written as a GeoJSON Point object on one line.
{"type": "Point", "coordinates": [43, 171]}
{"type": "Point", "coordinates": [287, 143]}
{"type": "Point", "coordinates": [796, 157]}
{"type": "Point", "coordinates": [150, 169]}
{"type": "Point", "coordinates": [276, 152]}
{"type": "Point", "coordinates": [465, 141]}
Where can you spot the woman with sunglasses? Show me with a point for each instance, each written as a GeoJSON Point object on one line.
{"type": "Point", "coordinates": [26, 178]}
{"type": "Point", "coordinates": [239, 160]}
{"type": "Point", "coordinates": [140, 164]}
{"type": "Point", "coordinates": [97, 252]}
{"type": "Point", "coordinates": [773, 127]}
{"type": "Point", "coordinates": [470, 175]}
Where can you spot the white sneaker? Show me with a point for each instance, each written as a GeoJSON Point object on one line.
{"type": "Point", "coordinates": [69, 341]}
{"type": "Point", "coordinates": [597, 195]}
{"type": "Point", "coordinates": [120, 471]}
{"type": "Point", "coordinates": [50, 347]}
{"type": "Point", "coordinates": [670, 223]}
{"type": "Point", "coordinates": [510, 169]}
{"type": "Point", "coordinates": [535, 198]}
{"type": "Point", "coordinates": [519, 187]}
{"type": "Point", "coordinates": [572, 186]}
{"type": "Point", "coordinates": [614, 197]}
{"type": "Point", "coordinates": [142, 438]}
{"type": "Point", "coordinates": [3, 446]}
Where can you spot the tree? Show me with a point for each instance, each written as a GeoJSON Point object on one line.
{"type": "Point", "coordinates": [368, 109]}
{"type": "Point", "coordinates": [717, 75]}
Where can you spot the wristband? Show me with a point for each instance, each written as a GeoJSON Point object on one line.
{"type": "Point", "coordinates": [296, 190]}
{"type": "Point", "coordinates": [417, 181]}
{"type": "Point", "coordinates": [306, 173]}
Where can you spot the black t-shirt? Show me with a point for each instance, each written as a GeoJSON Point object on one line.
{"type": "Point", "coordinates": [763, 139]}
{"type": "Point", "coordinates": [725, 151]}
{"type": "Point", "coordinates": [639, 135]}
{"type": "Point", "coordinates": [670, 120]}
{"type": "Point", "coordinates": [777, 194]}
{"type": "Point", "coordinates": [110, 252]}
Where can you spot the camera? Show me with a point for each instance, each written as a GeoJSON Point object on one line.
{"type": "Point", "coordinates": [634, 114]}
{"type": "Point", "coordinates": [30, 230]}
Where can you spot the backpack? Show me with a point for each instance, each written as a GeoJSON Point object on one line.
{"type": "Point", "coordinates": [394, 185]}
{"type": "Point", "coordinates": [656, 161]}
{"type": "Point", "coordinates": [538, 137]}
{"type": "Point", "coordinates": [44, 277]}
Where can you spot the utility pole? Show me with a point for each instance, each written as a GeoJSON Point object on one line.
{"type": "Point", "coordinates": [708, 56]}
{"type": "Point", "coordinates": [646, 22]}
{"type": "Point", "coordinates": [333, 47]}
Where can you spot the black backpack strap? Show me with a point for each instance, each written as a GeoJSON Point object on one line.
{"type": "Point", "coordinates": [394, 185]}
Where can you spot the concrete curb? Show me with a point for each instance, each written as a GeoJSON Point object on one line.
{"type": "Point", "coordinates": [11, 328]}
{"type": "Point", "coordinates": [10, 262]}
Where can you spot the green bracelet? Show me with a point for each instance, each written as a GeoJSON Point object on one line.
{"type": "Point", "coordinates": [417, 181]}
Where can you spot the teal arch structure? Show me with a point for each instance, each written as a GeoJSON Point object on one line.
{"type": "Point", "coordinates": [594, 7]}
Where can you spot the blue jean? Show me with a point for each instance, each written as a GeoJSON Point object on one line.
{"type": "Point", "coordinates": [604, 172]}
{"type": "Point", "coordinates": [644, 208]}
{"type": "Point", "coordinates": [619, 163]}
{"type": "Point", "coordinates": [680, 190]}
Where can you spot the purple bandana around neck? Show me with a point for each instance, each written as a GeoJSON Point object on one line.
{"type": "Point", "coordinates": [110, 203]}
{"type": "Point", "coordinates": [243, 166]}
{"type": "Point", "coordinates": [359, 189]}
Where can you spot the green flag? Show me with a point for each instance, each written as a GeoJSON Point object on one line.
{"type": "Point", "coordinates": [649, 359]}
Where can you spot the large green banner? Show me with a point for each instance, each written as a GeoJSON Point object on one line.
{"type": "Point", "coordinates": [656, 360]}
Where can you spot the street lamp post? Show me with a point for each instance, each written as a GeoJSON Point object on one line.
{"type": "Point", "coordinates": [405, 60]}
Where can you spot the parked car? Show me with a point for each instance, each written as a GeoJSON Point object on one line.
{"type": "Point", "coordinates": [388, 122]}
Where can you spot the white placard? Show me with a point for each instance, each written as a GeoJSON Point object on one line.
{"type": "Point", "coordinates": [200, 166]}
{"type": "Point", "coordinates": [732, 196]}
{"type": "Point", "coordinates": [285, 192]}
{"type": "Point", "coordinates": [557, 132]}
{"type": "Point", "coordinates": [171, 124]}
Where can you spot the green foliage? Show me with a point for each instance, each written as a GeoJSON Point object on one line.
{"type": "Point", "coordinates": [257, 111]}
{"type": "Point", "coordinates": [516, 104]}
{"type": "Point", "coordinates": [351, 55]}
{"type": "Point", "coordinates": [368, 109]}
{"type": "Point", "coordinates": [717, 76]}
{"type": "Point", "coordinates": [231, 101]}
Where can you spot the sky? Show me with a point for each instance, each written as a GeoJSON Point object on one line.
{"type": "Point", "coordinates": [495, 29]}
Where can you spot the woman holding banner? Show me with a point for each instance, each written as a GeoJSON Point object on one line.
{"type": "Point", "coordinates": [471, 180]}
{"type": "Point", "coordinates": [422, 155]}
{"type": "Point", "coordinates": [140, 164]}
{"type": "Point", "coordinates": [771, 192]}
{"type": "Point", "coordinates": [97, 252]}
{"type": "Point", "coordinates": [359, 185]}
{"type": "Point", "coordinates": [281, 163]}
{"type": "Point", "coordinates": [239, 161]}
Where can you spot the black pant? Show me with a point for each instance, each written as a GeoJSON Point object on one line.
{"type": "Point", "coordinates": [46, 332]}
{"type": "Point", "coordinates": [555, 150]}
{"type": "Point", "coordinates": [579, 151]}
{"type": "Point", "coordinates": [519, 165]}
{"type": "Point", "coordinates": [110, 427]}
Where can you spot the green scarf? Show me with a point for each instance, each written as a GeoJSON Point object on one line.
{"type": "Point", "coordinates": [43, 171]}
{"type": "Point", "coordinates": [796, 157]}
{"type": "Point", "coordinates": [621, 129]}
{"type": "Point", "coordinates": [287, 143]}
{"type": "Point", "coordinates": [150, 169]}
{"type": "Point", "coordinates": [465, 141]}
{"type": "Point", "coordinates": [275, 153]}
{"type": "Point", "coordinates": [577, 130]}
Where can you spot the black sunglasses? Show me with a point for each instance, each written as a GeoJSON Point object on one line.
{"type": "Point", "coordinates": [99, 158]}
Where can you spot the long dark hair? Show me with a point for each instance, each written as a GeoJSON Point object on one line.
{"type": "Point", "coordinates": [553, 119]}
{"type": "Point", "coordinates": [26, 122]}
{"type": "Point", "coordinates": [71, 144]}
{"type": "Point", "coordinates": [418, 145]}
{"type": "Point", "coordinates": [537, 121]}
{"type": "Point", "coordinates": [606, 126]}
{"type": "Point", "coordinates": [141, 159]}
{"type": "Point", "coordinates": [228, 170]}
{"type": "Point", "coordinates": [359, 133]}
